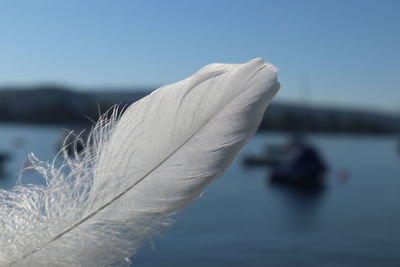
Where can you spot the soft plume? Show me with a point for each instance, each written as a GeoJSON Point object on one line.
{"type": "Point", "coordinates": [136, 170]}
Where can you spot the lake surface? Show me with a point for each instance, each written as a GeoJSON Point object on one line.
{"type": "Point", "coordinates": [242, 220]}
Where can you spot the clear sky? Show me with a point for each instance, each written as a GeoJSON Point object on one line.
{"type": "Point", "coordinates": [328, 52]}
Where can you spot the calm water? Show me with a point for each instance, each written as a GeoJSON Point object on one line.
{"type": "Point", "coordinates": [242, 220]}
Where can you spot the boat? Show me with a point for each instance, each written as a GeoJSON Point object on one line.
{"type": "Point", "coordinates": [295, 163]}
{"type": "Point", "coordinates": [398, 145]}
{"type": "Point", "coordinates": [4, 157]}
{"type": "Point", "coordinates": [273, 155]}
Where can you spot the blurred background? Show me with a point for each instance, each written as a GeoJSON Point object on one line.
{"type": "Point", "coordinates": [319, 183]}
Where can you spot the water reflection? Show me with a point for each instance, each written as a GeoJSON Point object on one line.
{"type": "Point", "coordinates": [301, 205]}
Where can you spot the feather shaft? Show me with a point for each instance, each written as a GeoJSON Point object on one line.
{"type": "Point", "coordinates": [138, 170]}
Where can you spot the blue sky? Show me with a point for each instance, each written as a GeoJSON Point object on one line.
{"type": "Point", "coordinates": [328, 52]}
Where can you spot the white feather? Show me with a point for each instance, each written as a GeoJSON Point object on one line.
{"type": "Point", "coordinates": [136, 171]}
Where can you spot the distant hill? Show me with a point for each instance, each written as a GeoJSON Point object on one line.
{"type": "Point", "coordinates": [67, 106]}
{"type": "Point", "coordinates": [294, 117]}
